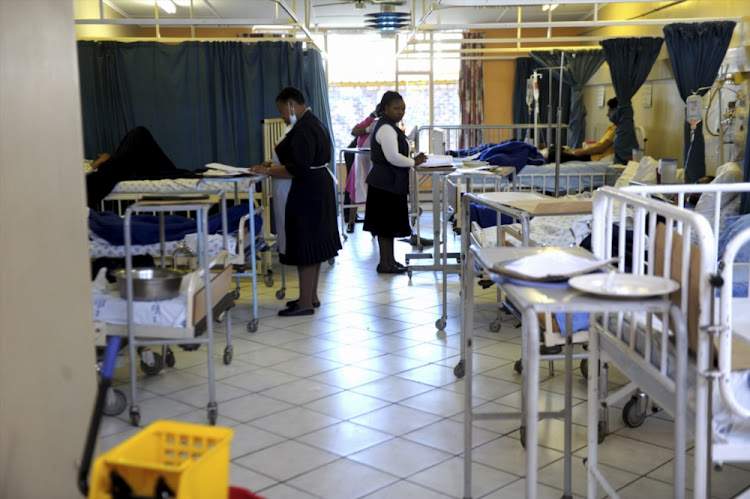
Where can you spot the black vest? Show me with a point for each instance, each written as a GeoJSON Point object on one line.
{"type": "Point", "coordinates": [384, 175]}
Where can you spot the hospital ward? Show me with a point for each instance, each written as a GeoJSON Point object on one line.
{"type": "Point", "coordinates": [375, 249]}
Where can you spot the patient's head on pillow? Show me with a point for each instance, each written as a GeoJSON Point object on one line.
{"type": "Point", "coordinates": [695, 196]}
{"type": "Point", "coordinates": [728, 173]}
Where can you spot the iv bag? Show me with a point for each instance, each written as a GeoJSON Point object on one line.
{"type": "Point", "coordinates": [529, 91]}
{"type": "Point", "coordinates": [694, 111]}
{"type": "Point", "coordinates": [536, 87]}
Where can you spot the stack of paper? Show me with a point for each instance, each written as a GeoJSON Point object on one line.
{"type": "Point", "coordinates": [226, 169]}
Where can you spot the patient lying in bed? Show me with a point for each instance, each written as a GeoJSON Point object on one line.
{"type": "Point", "coordinates": [138, 157]}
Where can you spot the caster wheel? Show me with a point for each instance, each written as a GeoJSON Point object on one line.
{"type": "Point", "coordinates": [280, 294]}
{"type": "Point", "coordinates": [135, 416]}
{"type": "Point", "coordinates": [331, 261]}
{"type": "Point", "coordinates": [213, 413]}
{"type": "Point", "coordinates": [440, 324]}
{"type": "Point", "coordinates": [494, 326]}
{"type": "Point", "coordinates": [632, 416]}
{"type": "Point", "coordinates": [268, 280]}
{"type": "Point", "coordinates": [601, 431]}
{"type": "Point", "coordinates": [228, 354]}
{"type": "Point", "coordinates": [408, 272]}
{"type": "Point", "coordinates": [115, 402]}
{"type": "Point", "coordinates": [170, 358]}
{"type": "Point", "coordinates": [523, 437]}
{"type": "Point", "coordinates": [236, 294]}
{"type": "Point", "coordinates": [518, 367]}
{"type": "Point", "coordinates": [585, 368]}
{"type": "Point", "coordinates": [154, 367]}
{"type": "Point", "coordinates": [252, 326]}
{"type": "Point", "coordinates": [459, 371]}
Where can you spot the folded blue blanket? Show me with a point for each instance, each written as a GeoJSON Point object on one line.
{"type": "Point", "coordinates": [514, 153]}
{"type": "Point", "coordinates": [145, 228]}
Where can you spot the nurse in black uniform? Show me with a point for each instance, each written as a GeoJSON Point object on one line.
{"type": "Point", "coordinates": [312, 236]}
{"type": "Point", "coordinates": [386, 212]}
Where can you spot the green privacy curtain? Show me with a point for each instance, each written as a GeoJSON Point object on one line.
{"type": "Point", "coordinates": [696, 52]}
{"type": "Point", "coordinates": [580, 66]}
{"type": "Point", "coordinates": [202, 101]}
{"type": "Point", "coordinates": [471, 92]}
{"type": "Point", "coordinates": [630, 60]}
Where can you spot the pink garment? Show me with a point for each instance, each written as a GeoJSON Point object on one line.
{"type": "Point", "coordinates": [361, 139]}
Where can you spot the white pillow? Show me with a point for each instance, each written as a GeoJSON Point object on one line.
{"type": "Point", "coordinates": [644, 172]}
{"type": "Point", "coordinates": [728, 173]}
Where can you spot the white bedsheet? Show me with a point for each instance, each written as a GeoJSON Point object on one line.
{"type": "Point", "coordinates": [178, 185]}
{"type": "Point", "coordinates": [575, 175]}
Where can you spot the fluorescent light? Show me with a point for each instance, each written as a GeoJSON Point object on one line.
{"type": "Point", "coordinates": [167, 6]}
{"type": "Point", "coordinates": [549, 6]}
{"type": "Point", "coordinates": [182, 3]}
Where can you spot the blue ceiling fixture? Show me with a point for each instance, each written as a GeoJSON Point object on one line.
{"type": "Point", "coordinates": [387, 21]}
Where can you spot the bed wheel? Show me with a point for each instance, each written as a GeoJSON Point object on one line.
{"type": "Point", "coordinates": [252, 326]}
{"type": "Point", "coordinates": [236, 294]}
{"type": "Point", "coordinates": [170, 358]}
{"type": "Point", "coordinates": [459, 370]}
{"type": "Point", "coordinates": [115, 402]}
{"type": "Point", "coordinates": [409, 273]}
{"type": "Point", "coordinates": [213, 413]}
{"type": "Point", "coordinates": [135, 415]}
{"type": "Point", "coordinates": [440, 324]}
{"type": "Point", "coordinates": [523, 436]}
{"type": "Point", "coordinates": [331, 261]}
{"type": "Point", "coordinates": [280, 294]}
{"type": "Point", "coordinates": [494, 326]}
{"type": "Point", "coordinates": [585, 368]}
{"type": "Point", "coordinates": [151, 362]}
{"type": "Point", "coordinates": [228, 354]}
{"type": "Point", "coordinates": [518, 366]}
{"type": "Point", "coordinates": [268, 279]}
{"type": "Point", "coordinates": [633, 414]}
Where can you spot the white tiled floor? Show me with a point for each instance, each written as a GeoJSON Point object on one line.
{"type": "Point", "coordinates": [360, 400]}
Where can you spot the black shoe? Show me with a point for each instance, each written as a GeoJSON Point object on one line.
{"type": "Point", "coordinates": [293, 303]}
{"type": "Point", "coordinates": [391, 270]}
{"type": "Point", "coordinates": [295, 311]}
{"type": "Point", "coordinates": [350, 228]}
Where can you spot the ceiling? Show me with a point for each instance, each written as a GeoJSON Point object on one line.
{"type": "Point", "coordinates": [327, 15]}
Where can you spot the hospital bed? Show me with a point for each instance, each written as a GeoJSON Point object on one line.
{"type": "Point", "coordinates": [679, 374]}
{"type": "Point", "coordinates": [125, 193]}
{"type": "Point", "coordinates": [187, 319]}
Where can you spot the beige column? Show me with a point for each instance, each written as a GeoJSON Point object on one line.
{"type": "Point", "coordinates": [47, 377]}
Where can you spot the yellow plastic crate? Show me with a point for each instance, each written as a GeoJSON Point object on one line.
{"type": "Point", "coordinates": [193, 460]}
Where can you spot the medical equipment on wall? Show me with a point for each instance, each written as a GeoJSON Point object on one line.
{"type": "Point", "coordinates": [726, 120]}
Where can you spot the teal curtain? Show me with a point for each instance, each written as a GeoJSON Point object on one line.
{"type": "Point", "coordinates": [630, 61]}
{"type": "Point", "coordinates": [202, 101]}
{"type": "Point", "coordinates": [696, 51]}
{"type": "Point", "coordinates": [580, 66]}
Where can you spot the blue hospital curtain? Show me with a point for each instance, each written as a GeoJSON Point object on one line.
{"type": "Point", "coordinates": [696, 51]}
{"type": "Point", "coordinates": [316, 94]}
{"type": "Point", "coordinates": [745, 199]}
{"type": "Point", "coordinates": [630, 61]}
{"type": "Point", "coordinates": [580, 66]}
{"type": "Point", "coordinates": [202, 101]}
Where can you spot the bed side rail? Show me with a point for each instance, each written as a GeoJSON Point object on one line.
{"type": "Point", "coordinates": [570, 183]}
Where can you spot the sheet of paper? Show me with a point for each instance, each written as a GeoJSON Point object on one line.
{"type": "Point", "coordinates": [553, 263]}
{"type": "Point", "coordinates": [437, 160]}
{"type": "Point", "coordinates": [222, 173]}
{"type": "Point", "coordinates": [227, 168]}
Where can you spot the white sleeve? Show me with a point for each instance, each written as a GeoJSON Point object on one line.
{"type": "Point", "coordinates": [388, 141]}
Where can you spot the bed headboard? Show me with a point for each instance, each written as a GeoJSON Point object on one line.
{"type": "Point", "coordinates": [273, 130]}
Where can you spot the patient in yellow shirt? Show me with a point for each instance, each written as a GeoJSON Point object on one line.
{"type": "Point", "coordinates": [594, 152]}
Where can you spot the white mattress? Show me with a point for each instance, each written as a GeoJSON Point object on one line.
{"type": "Point", "coordinates": [100, 248]}
{"type": "Point", "coordinates": [178, 185]}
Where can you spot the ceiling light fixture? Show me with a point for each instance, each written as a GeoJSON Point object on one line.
{"type": "Point", "coordinates": [167, 6]}
{"type": "Point", "coordinates": [549, 6]}
{"type": "Point", "coordinates": [182, 3]}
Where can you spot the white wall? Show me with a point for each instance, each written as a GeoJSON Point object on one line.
{"type": "Point", "coordinates": [47, 377]}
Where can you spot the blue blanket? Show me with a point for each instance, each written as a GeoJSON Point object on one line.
{"type": "Point", "coordinates": [145, 228]}
{"type": "Point", "coordinates": [514, 153]}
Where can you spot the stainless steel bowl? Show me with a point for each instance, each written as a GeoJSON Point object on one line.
{"type": "Point", "coordinates": [150, 283]}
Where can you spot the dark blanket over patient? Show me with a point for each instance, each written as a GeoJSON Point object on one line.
{"type": "Point", "coordinates": [145, 228]}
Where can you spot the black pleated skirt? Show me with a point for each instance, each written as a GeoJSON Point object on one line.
{"type": "Point", "coordinates": [386, 214]}
{"type": "Point", "coordinates": [312, 235]}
